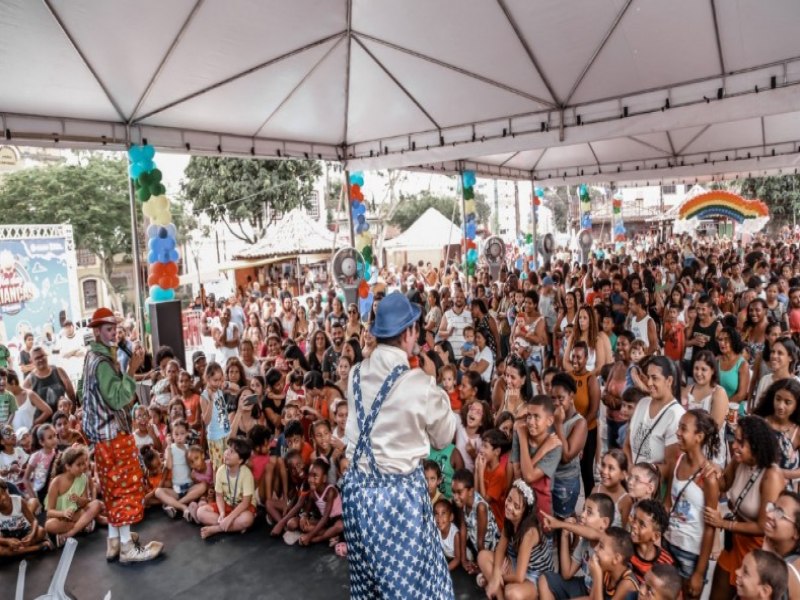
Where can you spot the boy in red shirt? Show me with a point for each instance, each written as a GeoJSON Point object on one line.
{"type": "Point", "coordinates": [448, 374]}
{"type": "Point", "coordinates": [674, 334]}
{"type": "Point", "coordinates": [491, 477]}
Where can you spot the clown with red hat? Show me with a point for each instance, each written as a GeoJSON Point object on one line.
{"type": "Point", "coordinates": [108, 394]}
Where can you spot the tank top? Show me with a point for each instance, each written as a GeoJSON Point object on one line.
{"type": "Point", "coordinates": [751, 502]}
{"type": "Point", "coordinates": [686, 517]}
{"type": "Point", "coordinates": [709, 331]}
{"type": "Point", "coordinates": [573, 467]}
{"type": "Point", "coordinates": [25, 414]}
{"type": "Point", "coordinates": [443, 459]}
{"type": "Point", "coordinates": [449, 542]}
{"type": "Point", "coordinates": [729, 380]}
{"type": "Point", "coordinates": [541, 558]}
{"type": "Point", "coordinates": [704, 403]}
{"type": "Point", "coordinates": [14, 525]}
{"type": "Point", "coordinates": [582, 397]}
{"type": "Point", "coordinates": [639, 328]}
{"type": "Point", "coordinates": [49, 388]}
{"type": "Point", "coordinates": [180, 467]}
{"type": "Point", "coordinates": [457, 323]}
{"type": "Point", "coordinates": [319, 500]}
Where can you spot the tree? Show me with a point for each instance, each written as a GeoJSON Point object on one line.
{"type": "Point", "coordinates": [250, 192]}
{"type": "Point", "coordinates": [781, 194]}
{"type": "Point", "coordinates": [557, 199]}
{"type": "Point", "coordinates": [91, 196]}
{"type": "Point", "coordinates": [412, 207]}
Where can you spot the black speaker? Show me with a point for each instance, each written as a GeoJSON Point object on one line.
{"type": "Point", "coordinates": [166, 326]}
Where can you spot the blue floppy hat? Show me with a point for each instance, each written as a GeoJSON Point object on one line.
{"type": "Point", "coordinates": [395, 314]}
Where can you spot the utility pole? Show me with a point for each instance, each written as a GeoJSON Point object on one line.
{"type": "Point", "coordinates": [517, 229]}
{"type": "Point", "coordinates": [496, 223]}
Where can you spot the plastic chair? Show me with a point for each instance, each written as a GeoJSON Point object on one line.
{"type": "Point", "coordinates": [56, 590]}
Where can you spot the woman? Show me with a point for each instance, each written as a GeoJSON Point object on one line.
{"type": "Point", "coordinates": [28, 404]}
{"type": "Point", "coordinates": [295, 358]}
{"type": "Point", "coordinates": [780, 406]}
{"type": "Point", "coordinates": [353, 328]}
{"type": "Point", "coordinates": [483, 320]}
{"type": "Point", "coordinates": [761, 366]}
{"type": "Point", "coordinates": [352, 349]}
{"type": "Point", "coordinates": [235, 380]}
{"type": "Point", "coordinates": [336, 314]}
{"type": "Point", "coordinates": [302, 328]}
{"type": "Point", "coordinates": [782, 535]}
{"type": "Point", "coordinates": [518, 389]}
{"type": "Point", "coordinates": [483, 362]}
{"type": "Point", "coordinates": [529, 334]}
{"type": "Point", "coordinates": [476, 417]}
{"type": "Point", "coordinates": [570, 428]}
{"type": "Point", "coordinates": [444, 350]}
{"type": "Point", "coordinates": [752, 480]}
{"type": "Point", "coordinates": [319, 344]}
{"type": "Point", "coordinates": [473, 388]}
{"type": "Point", "coordinates": [755, 328]}
{"type": "Point", "coordinates": [247, 415]}
{"type": "Point", "coordinates": [587, 403]}
{"type": "Point", "coordinates": [783, 358]}
{"type": "Point", "coordinates": [320, 396]}
{"type": "Point", "coordinates": [566, 316]}
{"type": "Point", "coordinates": [433, 318]}
{"type": "Point", "coordinates": [734, 372]}
{"type": "Point", "coordinates": [586, 329]}
{"type": "Point", "coordinates": [706, 394]}
{"type": "Point", "coordinates": [254, 327]}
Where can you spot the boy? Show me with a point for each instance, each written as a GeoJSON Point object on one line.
{"type": "Point", "coordinates": [264, 466]}
{"type": "Point", "coordinates": [762, 576]}
{"type": "Point", "coordinates": [450, 535]}
{"type": "Point", "coordinates": [468, 348]}
{"type": "Point", "coordinates": [635, 376]}
{"type": "Point", "coordinates": [648, 523]}
{"type": "Point", "coordinates": [662, 582]}
{"type": "Point", "coordinates": [491, 477]}
{"type": "Point", "coordinates": [234, 487]}
{"type": "Point", "coordinates": [630, 398]}
{"type": "Point", "coordinates": [608, 329]}
{"type": "Point", "coordinates": [575, 578]}
{"type": "Point", "coordinates": [612, 578]}
{"type": "Point", "coordinates": [448, 376]}
{"type": "Point", "coordinates": [8, 403]}
{"type": "Point", "coordinates": [21, 533]}
{"type": "Point", "coordinates": [323, 448]}
{"type": "Point", "coordinates": [536, 452]}
{"type": "Point", "coordinates": [296, 473]}
{"type": "Point", "coordinates": [478, 527]}
{"type": "Point", "coordinates": [674, 334]}
{"type": "Point", "coordinates": [292, 438]}
{"type": "Point", "coordinates": [433, 479]}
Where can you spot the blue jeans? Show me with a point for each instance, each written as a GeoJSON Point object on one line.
{"type": "Point", "coordinates": [565, 495]}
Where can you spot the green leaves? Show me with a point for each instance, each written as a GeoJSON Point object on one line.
{"type": "Point", "coordinates": [412, 207]}
{"type": "Point", "coordinates": [780, 193]}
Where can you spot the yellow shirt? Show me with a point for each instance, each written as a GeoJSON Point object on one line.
{"type": "Point", "coordinates": [234, 487]}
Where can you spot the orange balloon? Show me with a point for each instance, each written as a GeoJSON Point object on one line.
{"type": "Point", "coordinates": [152, 280]}
{"type": "Point", "coordinates": [363, 289]}
{"type": "Point", "coordinates": [355, 190]}
{"type": "Point", "coordinates": [171, 269]}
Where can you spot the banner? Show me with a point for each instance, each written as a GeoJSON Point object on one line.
{"type": "Point", "coordinates": [38, 280]}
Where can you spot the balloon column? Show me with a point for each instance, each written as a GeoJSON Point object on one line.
{"type": "Point", "coordinates": [619, 226]}
{"type": "Point", "coordinates": [163, 253]}
{"type": "Point", "coordinates": [586, 207]}
{"type": "Point", "coordinates": [363, 237]}
{"type": "Point", "coordinates": [470, 221]}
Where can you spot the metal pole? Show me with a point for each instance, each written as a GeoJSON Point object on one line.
{"type": "Point", "coordinates": [496, 219]}
{"type": "Point", "coordinates": [137, 261]}
{"type": "Point", "coordinates": [463, 216]}
{"type": "Point", "coordinates": [350, 224]}
{"type": "Point", "coordinates": [516, 210]}
{"type": "Point", "coordinates": [534, 222]}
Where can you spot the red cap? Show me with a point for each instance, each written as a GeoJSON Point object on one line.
{"type": "Point", "coordinates": [103, 316]}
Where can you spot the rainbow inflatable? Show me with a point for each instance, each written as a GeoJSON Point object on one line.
{"type": "Point", "coordinates": [719, 203]}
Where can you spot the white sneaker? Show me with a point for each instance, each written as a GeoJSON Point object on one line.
{"type": "Point", "coordinates": [133, 552]}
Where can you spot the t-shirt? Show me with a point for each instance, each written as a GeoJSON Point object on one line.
{"type": "Point", "coordinates": [548, 465]}
{"type": "Point", "coordinates": [641, 565]}
{"type": "Point", "coordinates": [487, 355]}
{"type": "Point", "coordinates": [496, 491]}
{"type": "Point", "coordinates": [18, 458]}
{"type": "Point", "coordinates": [235, 487]}
{"type": "Point", "coordinates": [8, 406]}
{"type": "Point", "coordinates": [582, 554]}
{"type": "Point", "coordinates": [663, 429]}
{"type": "Point", "coordinates": [5, 354]}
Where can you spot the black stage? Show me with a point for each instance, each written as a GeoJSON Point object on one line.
{"type": "Point", "coordinates": [229, 566]}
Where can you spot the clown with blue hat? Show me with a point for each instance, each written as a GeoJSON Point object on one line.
{"type": "Point", "coordinates": [396, 413]}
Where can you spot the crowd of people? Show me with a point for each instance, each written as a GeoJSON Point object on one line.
{"type": "Point", "coordinates": [625, 426]}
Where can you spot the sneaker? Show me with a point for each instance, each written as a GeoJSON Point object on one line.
{"type": "Point", "coordinates": [112, 546]}
{"type": "Point", "coordinates": [134, 552]}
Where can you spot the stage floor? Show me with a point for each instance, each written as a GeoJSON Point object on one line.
{"type": "Point", "coordinates": [249, 566]}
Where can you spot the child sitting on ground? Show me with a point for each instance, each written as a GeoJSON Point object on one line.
{"type": "Point", "coordinates": [433, 479]}
{"type": "Point", "coordinates": [69, 509]}
{"type": "Point", "coordinates": [323, 448]}
{"type": "Point", "coordinates": [478, 526]}
{"type": "Point", "coordinates": [278, 507]}
{"type": "Point", "coordinates": [266, 476]}
{"type": "Point", "coordinates": [662, 582]}
{"type": "Point", "coordinates": [328, 503]}
{"type": "Point", "coordinates": [491, 476]}
{"type": "Point", "coordinates": [20, 533]}
{"type": "Point", "coordinates": [155, 475]}
{"type": "Point", "coordinates": [234, 507]}
{"type": "Point", "coordinates": [13, 459]}
{"type": "Point", "coordinates": [184, 490]}
{"type": "Point", "coordinates": [202, 475]}
{"type": "Point", "coordinates": [612, 577]}
{"type": "Point", "coordinates": [449, 376]}
{"type": "Point", "coordinates": [649, 522]}
{"type": "Point", "coordinates": [523, 552]}
{"type": "Point", "coordinates": [575, 579]}
{"type": "Point", "coordinates": [450, 536]}
{"type": "Point", "coordinates": [144, 433]}
{"type": "Point", "coordinates": [41, 465]}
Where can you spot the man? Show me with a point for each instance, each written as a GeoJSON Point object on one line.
{"type": "Point", "coordinates": [454, 321]}
{"type": "Point", "coordinates": [226, 337]}
{"type": "Point", "coordinates": [702, 334]}
{"type": "Point", "coordinates": [331, 357]}
{"type": "Point", "coordinates": [50, 383]}
{"type": "Point", "coordinates": [72, 349]}
{"type": "Point", "coordinates": [124, 349]}
{"type": "Point", "coordinates": [25, 360]}
{"type": "Point", "coordinates": [107, 396]}
{"type": "Point", "coordinates": [395, 415]}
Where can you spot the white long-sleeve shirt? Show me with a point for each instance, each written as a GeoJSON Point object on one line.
{"type": "Point", "coordinates": [415, 416]}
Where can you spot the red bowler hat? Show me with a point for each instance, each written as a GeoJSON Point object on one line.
{"type": "Point", "coordinates": [103, 316]}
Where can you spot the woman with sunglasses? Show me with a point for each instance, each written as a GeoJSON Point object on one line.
{"type": "Point", "coordinates": [782, 535]}
{"type": "Point", "coordinates": [353, 328]}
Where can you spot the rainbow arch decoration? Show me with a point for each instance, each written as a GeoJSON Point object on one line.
{"type": "Point", "coordinates": [720, 203]}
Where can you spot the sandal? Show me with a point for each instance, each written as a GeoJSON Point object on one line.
{"type": "Point", "coordinates": [341, 549]}
{"type": "Point", "coordinates": [47, 544]}
{"type": "Point", "coordinates": [61, 540]}
{"type": "Point", "coordinates": [333, 541]}
{"type": "Point", "coordinates": [481, 580]}
{"type": "Point", "coordinates": [90, 527]}
{"type": "Point", "coordinates": [171, 511]}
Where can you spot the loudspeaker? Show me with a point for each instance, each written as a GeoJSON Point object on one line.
{"type": "Point", "coordinates": [166, 326]}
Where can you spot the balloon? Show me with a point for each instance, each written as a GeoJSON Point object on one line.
{"type": "Point", "coordinates": [367, 254]}
{"type": "Point", "coordinates": [135, 153]}
{"type": "Point", "coordinates": [539, 192]}
{"type": "Point", "coordinates": [159, 294]}
{"type": "Point", "coordinates": [367, 271]}
{"type": "Point", "coordinates": [155, 176]}
{"type": "Point", "coordinates": [144, 179]}
{"type": "Point", "coordinates": [469, 207]}
{"type": "Point", "coordinates": [152, 280]}
{"type": "Point", "coordinates": [468, 194]}
{"type": "Point", "coordinates": [468, 178]}
{"type": "Point", "coordinates": [518, 263]}
{"type": "Point", "coordinates": [152, 256]}
{"type": "Point", "coordinates": [365, 305]}
{"type": "Point", "coordinates": [143, 194]}
{"type": "Point", "coordinates": [172, 231]}
{"type": "Point", "coordinates": [148, 152]}
{"type": "Point", "coordinates": [362, 219]}
{"type": "Point", "coordinates": [152, 231]}
{"type": "Point", "coordinates": [135, 170]}
{"type": "Point", "coordinates": [472, 255]}
{"type": "Point", "coordinates": [171, 269]}
{"type": "Point", "coordinates": [174, 256]}
{"type": "Point", "coordinates": [355, 190]}
{"type": "Point", "coordinates": [529, 238]}
{"type": "Point", "coordinates": [363, 289]}
{"type": "Point", "coordinates": [160, 202]}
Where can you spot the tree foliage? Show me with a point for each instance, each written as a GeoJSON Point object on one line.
{"type": "Point", "coordinates": [91, 196]}
{"type": "Point", "coordinates": [412, 207]}
{"type": "Point", "coordinates": [781, 194]}
{"type": "Point", "coordinates": [245, 194]}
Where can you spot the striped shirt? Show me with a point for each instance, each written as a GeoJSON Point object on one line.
{"type": "Point", "coordinates": [641, 565]}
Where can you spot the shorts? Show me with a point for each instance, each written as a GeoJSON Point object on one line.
{"type": "Point", "coordinates": [182, 489]}
{"type": "Point", "coordinates": [16, 534]}
{"type": "Point", "coordinates": [229, 508]}
{"type": "Point", "coordinates": [685, 561]}
{"type": "Point", "coordinates": [532, 576]}
{"type": "Point", "coordinates": [563, 589]}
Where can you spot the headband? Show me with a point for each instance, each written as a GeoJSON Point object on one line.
{"type": "Point", "coordinates": [525, 490]}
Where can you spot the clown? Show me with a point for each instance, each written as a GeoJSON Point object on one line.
{"type": "Point", "coordinates": [107, 395]}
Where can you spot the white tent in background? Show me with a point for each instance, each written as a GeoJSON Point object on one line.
{"type": "Point", "coordinates": [427, 239]}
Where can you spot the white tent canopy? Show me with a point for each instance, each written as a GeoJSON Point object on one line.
{"type": "Point", "coordinates": [431, 231]}
{"type": "Point", "coordinates": [295, 234]}
{"type": "Point", "coordinates": [585, 90]}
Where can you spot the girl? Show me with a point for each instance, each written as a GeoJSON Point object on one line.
{"type": "Point", "coordinates": [734, 372]}
{"type": "Point", "coordinates": [274, 396]}
{"type": "Point", "coordinates": [570, 428]}
{"type": "Point", "coordinates": [166, 388]}
{"type": "Point", "coordinates": [302, 328]}
{"type": "Point", "coordinates": [761, 366]}
{"type": "Point", "coordinates": [319, 344]}
{"type": "Point", "coordinates": [613, 474]}
{"type": "Point", "coordinates": [566, 316]}
{"type": "Point", "coordinates": [476, 417]}
{"type": "Point", "coordinates": [513, 568]}
{"type": "Point", "coordinates": [191, 403]}
{"type": "Point", "coordinates": [12, 458]}
{"type": "Point", "coordinates": [41, 465]}
{"type": "Point", "coordinates": [202, 475]}
{"type": "Point", "coordinates": [755, 327]}
{"type": "Point", "coordinates": [249, 362]}
{"type": "Point", "coordinates": [751, 480]}
{"type": "Point", "coordinates": [518, 389]}
{"type": "Point", "coordinates": [69, 509]}
{"type": "Point", "coordinates": [478, 526]}
{"type": "Point", "coordinates": [20, 533]}
{"type": "Point", "coordinates": [644, 482]}
{"type": "Point", "coordinates": [706, 394]}
{"type": "Point", "coordinates": [783, 358]}
{"type": "Point", "coordinates": [184, 490]}
{"type": "Point", "coordinates": [215, 414]}
{"type": "Point", "coordinates": [247, 415]}
{"type": "Point", "coordinates": [688, 539]}
{"type": "Point", "coordinates": [599, 346]}
{"type": "Point", "coordinates": [587, 403]}
{"type": "Point", "coordinates": [782, 535]}
{"type": "Point", "coordinates": [780, 408]}
{"type": "Point", "coordinates": [340, 420]}
{"type": "Point", "coordinates": [295, 393]}
{"type": "Point", "coordinates": [343, 366]}
{"type": "Point", "coordinates": [159, 424]}
{"type": "Point", "coordinates": [328, 503]}
{"type": "Point", "coordinates": [235, 380]}
{"type": "Point", "coordinates": [156, 475]}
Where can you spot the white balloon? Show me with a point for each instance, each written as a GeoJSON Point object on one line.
{"type": "Point", "coordinates": [348, 267]}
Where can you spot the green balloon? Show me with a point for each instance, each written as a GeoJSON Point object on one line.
{"type": "Point", "coordinates": [529, 238]}
{"type": "Point", "coordinates": [469, 193]}
{"type": "Point", "coordinates": [144, 179]}
{"type": "Point", "coordinates": [155, 176]}
{"type": "Point", "coordinates": [367, 254]}
{"type": "Point", "coordinates": [161, 189]}
{"type": "Point", "coordinates": [143, 194]}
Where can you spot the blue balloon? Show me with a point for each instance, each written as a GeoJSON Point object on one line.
{"type": "Point", "coordinates": [174, 256]}
{"type": "Point", "coordinates": [148, 152]}
{"type": "Point", "coordinates": [539, 192]}
{"type": "Point", "coordinates": [171, 230]}
{"type": "Point", "coordinates": [162, 232]}
{"type": "Point", "coordinates": [152, 256]}
{"type": "Point", "coordinates": [153, 244]}
{"type": "Point", "coordinates": [361, 219]}
{"type": "Point", "coordinates": [360, 227]}
{"type": "Point", "coordinates": [468, 178]}
{"type": "Point", "coordinates": [159, 294]}
{"type": "Point", "coordinates": [472, 229]}
{"type": "Point", "coordinates": [135, 153]}
{"type": "Point", "coordinates": [532, 265]}
{"type": "Point", "coordinates": [472, 255]}
{"type": "Point", "coordinates": [135, 170]}
{"type": "Point", "coordinates": [518, 263]}
{"type": "Point", "coordinates": [366, 225]}
{"type": "Point", "coordinates": [367, 271]}
{"type": "Point", "coordinates": [365, 305]}
{"type": "Point", "coordinates": [152, 230]}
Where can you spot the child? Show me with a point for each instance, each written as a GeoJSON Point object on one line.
{"type": "Point", "coordinates": [159, 424]}
{"type": "Point", "coordinates": [40, 466]}
{"type": "Point", "coordinates": [674, 334]}
{"type": "Point", "coordinates": [343, 366]}
{"type": "Point", "coordinates": [202, 475]}
{"type": "Point", "coordinates": [794, 310]}
{"type": "Point", "coordinates": [8, 403]}
{"type": "Point", "coordinates": [612, 578]}
{"type": "Point", "coordinates": [69, 509]}
{"type": "Point", "coordinates": [644, 483]}
{"type": "Point", "coordinates": [166, 389]}
{"type": "Point", "coordinates": [12, 458]}
{"type": "Point", "coordinates": [191, 402]}
{"type": "Point", "coordinates": [450, 535]}
{"type": "Point", "coordinates": [277, 508]}
{"type": "Point", "coordinates": [340, 420]}
{"type": "Point", "coordinates": [648, 524]}
{"type": "Point", "coordinates": [328, 503]}
{"type": "Point", "coordinates": [635, 375]}
{"type": "Point", "coordinates": [449, 461]}
{"type": "Point", "coordinates": [448, 376]}
{"type": "Point", "coordinates": [295, 392]}
{"type": "Point", "coordinates": [478, 527]}
{"type": "Point", "coordinates": [214, 411]}
{"type": "Point", "coordinates": [613, 473]}
{"type": "Point", "coordinates": [630, 398]}
{"type": "Point", "coordinates": [323, 448]}
{"type": "Point", "coordinates": [234, 508]}
{"type": "Point", "coordinates": [536, 452]}
{"type": "Point", "coordinates": [608, 329]}
{"type": "Point", "coordinates": [184, 490]}
{"type": "Point", "coordinates": [523, 552]}
{"type": "Point", "coordinates": [156, 474]}
{"type": "Point", "coordinates": [433, 479]}
{"type": "Point", "coordinates": [293, 439]}
{"type": "Point", "coordinates": [762, 576]}
{"type": "Point", "coordinates": [491, 477]}
{"type": "Point", "coordinates": [662, 582]}
{"type": "Point", "coordinates": [24, 440]}
{"type": "Point", "coordinates": [20, 533]}
{"type": "Point", "coordinates": [265, 473]}
{"type": "Point", "coordinates": [468, 350]}
{"type": "Point", "coordinates": [575, 578]}
{"type": "Point", "coordinates": [145, 433]}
